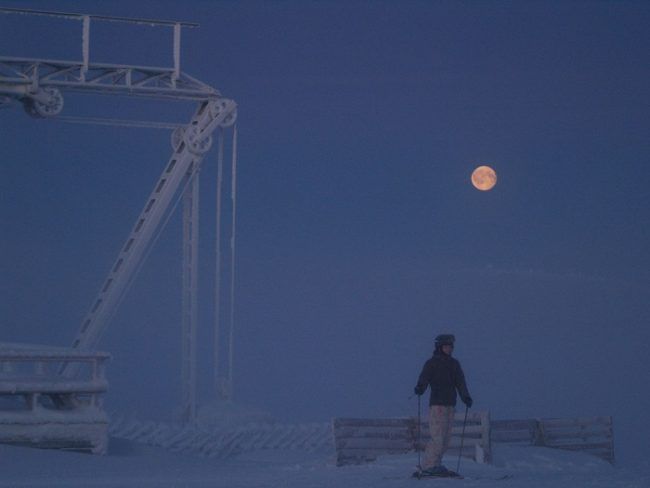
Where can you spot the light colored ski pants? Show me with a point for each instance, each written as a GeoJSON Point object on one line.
{"type": "Point", "coordinates": [441, 420]}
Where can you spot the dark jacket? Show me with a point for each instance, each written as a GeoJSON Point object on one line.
{"type": "Point", "coordinates": [444, 376]}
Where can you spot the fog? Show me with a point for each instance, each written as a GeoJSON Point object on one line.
{"type": "Point", "coordinates": [360, 237]}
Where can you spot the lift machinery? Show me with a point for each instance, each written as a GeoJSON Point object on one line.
{"type": "Point", "coordinates": [39, 86]}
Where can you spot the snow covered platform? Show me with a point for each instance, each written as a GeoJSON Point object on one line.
{"type": "Point", "coordinates": [40, 407]}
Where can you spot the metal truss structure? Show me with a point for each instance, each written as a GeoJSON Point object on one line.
{"type": "Point", "coordinates": [27, 76]}
{"type": "Point", "coordinates": [39, 84]}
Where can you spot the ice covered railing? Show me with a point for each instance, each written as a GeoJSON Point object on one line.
{"type": "Point", "coordinates": [223, 430]}
{"type": "Point", "coordinates": [225, 442]}
{"type": "Point", "coordinates": [41, 408]}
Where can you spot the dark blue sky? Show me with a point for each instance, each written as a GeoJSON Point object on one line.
{"type": "Point", "coordinates": [360, 237]}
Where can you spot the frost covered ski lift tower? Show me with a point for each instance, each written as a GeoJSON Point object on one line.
{"type": "Point", "coordinates": [40, 84]}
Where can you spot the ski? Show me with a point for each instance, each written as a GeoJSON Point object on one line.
{"type": "Point", "coordinates": [458, 477]}
{"type": "Point", "coordinates": [446, 474]}
{"type": "Point", "coordinates": [492, 478]}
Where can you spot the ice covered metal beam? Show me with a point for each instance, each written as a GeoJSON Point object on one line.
{"type": "Point", "coordinates": [109, 18]}
{"type": "Point", "coordinates": [24, 75]}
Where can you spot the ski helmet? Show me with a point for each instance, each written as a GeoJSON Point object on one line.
{"type": "Point", "coordinates": [445, 339]}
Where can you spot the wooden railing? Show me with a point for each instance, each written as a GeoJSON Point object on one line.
{"type": "Point", "coordinates": [362, 440]}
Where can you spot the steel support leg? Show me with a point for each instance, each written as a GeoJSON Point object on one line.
{"type": "Point", "coordinates": [190, 299]}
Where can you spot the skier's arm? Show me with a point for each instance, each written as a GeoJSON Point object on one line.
{"type": "Point", "coordinates": [461, 386]}
{"type": "Point", "coordinates": [423, 379]}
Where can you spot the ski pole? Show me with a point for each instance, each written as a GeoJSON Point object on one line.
{"type": "Point", "coordinates": [418, 445]}
{"type": "Point", "coordinates": [462, 439]}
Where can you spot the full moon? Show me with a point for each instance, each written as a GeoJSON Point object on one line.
{"type": "Point", "coordinates": [484, 178]}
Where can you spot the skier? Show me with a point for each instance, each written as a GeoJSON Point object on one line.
{"type": "Point", "coordinates": [444, 375]}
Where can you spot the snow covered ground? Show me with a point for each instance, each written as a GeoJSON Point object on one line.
{"type": "Point", "coordinates": [130, 464]}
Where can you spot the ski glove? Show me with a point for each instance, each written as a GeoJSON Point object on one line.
{"type": "Point", "coordinates": [419, 390]}
{"type": "Point", "coordinates": [468, 401]}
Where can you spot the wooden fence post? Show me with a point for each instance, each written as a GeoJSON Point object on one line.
{"type": "Point", "coordinates": [538, 434]}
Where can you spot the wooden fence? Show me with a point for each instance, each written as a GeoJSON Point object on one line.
{"type": "Point", "coordinates": [593, 435]}
{"type": "Point", "coordinates": [362, 440]}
